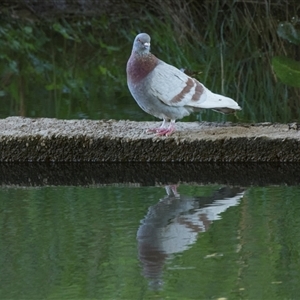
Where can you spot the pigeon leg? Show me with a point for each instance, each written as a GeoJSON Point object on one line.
{"type": "Point", "coordinates": [156, 130]}
{"type": "Point", "coordinates": [172, 190]}
{"type": "Point", "coordinates": [167, 131]}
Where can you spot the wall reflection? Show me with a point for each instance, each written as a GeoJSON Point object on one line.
{"type": "Point", "coordinates": [173, 224]}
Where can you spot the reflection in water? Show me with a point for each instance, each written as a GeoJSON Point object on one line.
{"type": "Point", "coordinates": [71, 243]}
{"type": "Point", "coordinates": [172, 225]}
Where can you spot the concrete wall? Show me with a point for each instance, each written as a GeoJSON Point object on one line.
{"type": "Point", "coordinates": [52, 140]}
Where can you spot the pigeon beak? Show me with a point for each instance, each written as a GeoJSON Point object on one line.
{"type": "Point", "coordinates": [147, 45]}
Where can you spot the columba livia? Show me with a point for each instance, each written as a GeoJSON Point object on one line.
{"type": "Point", "coordinates": [166, 92]}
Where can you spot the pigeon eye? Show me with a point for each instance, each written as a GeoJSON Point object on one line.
{"type": "Point", "coordinates": [141, 41]}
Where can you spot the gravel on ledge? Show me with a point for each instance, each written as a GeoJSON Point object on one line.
{"type": "Point", "coordinates": [53, 140]}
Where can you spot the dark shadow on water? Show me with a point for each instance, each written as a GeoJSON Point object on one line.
{"type": "Point", "coordinates": [146, 174]}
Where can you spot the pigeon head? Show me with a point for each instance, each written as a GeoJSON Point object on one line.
{"type": "Point", "coordinates": [142, 43]}
{"type": "Point", "coordinates": [141, 62]}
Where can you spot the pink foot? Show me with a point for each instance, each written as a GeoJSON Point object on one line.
{"type": "Point", "coordinates": [164, 130]}
{"type": "Point", "coordinates": [172, 190]}
{"type": "Point", "coordinates": [154, 130]}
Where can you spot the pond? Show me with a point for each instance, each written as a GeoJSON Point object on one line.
{"type": "Point", "coordinates": [140, 231]}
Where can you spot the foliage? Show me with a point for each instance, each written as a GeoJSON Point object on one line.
{"type": "Point", "coordinates": [73, 66]}
{"type": "Point", "coordinates": [55, 64]}
{"type": "Point", "coordinates": [287, 31]}
{"type": "Point", "coordinates": [288, 69]}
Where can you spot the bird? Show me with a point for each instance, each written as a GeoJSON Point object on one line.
{"type": "Point", "coordinates": [166, 92]}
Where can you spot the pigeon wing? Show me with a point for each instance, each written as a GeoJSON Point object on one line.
{"type": "Point", "coordinates": [175, 88]}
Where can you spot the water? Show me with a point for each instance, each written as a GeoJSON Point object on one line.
{"type": "Point", "coordinates": [147, 238]}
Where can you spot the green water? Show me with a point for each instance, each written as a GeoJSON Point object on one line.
{"type": "Point", "coordinates": [129, 241]}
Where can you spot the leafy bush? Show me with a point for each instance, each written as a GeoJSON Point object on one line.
{"type": "Point", "coordinates": [68, 61]}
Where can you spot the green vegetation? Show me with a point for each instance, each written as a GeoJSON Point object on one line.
{"type": "Point", "coordinates": [287, 69]}
{"type": "Point", "coordinates": [69, 61]}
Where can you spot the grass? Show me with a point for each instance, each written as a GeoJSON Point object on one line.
{"type": "Point", "coordinates": [74, 67]}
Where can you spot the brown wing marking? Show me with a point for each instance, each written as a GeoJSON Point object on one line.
{"type": "Point", "coordinates": [198, 91]}
{"type": "Point", "coordinates": [189, 85]}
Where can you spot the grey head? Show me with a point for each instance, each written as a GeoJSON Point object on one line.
{"type": "Point", "coordinates": [141, 43]}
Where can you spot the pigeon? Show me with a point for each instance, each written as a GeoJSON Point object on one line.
{"type": "Point", "coordinates": [166, 92]}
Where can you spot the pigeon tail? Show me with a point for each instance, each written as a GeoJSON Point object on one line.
{"type": "Point", "coordinates": [219, 103]}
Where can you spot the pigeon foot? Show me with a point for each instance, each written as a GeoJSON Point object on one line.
{"type": "Point", "coordinates": [161, 131]}
{"type": "Point", "coordinates": [165, 131]}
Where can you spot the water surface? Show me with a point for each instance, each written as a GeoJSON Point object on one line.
{"type": "Point", "coordinates": [161, 241]}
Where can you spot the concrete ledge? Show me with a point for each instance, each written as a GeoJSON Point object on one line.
{"type": "Point", "coordinates": [52, 140]}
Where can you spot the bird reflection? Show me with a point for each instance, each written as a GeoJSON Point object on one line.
{"type": "Point", "coordinates": [172, 225]}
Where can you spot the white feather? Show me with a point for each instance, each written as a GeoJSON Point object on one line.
{"type": "Point", "coordinates": [167, 82]}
